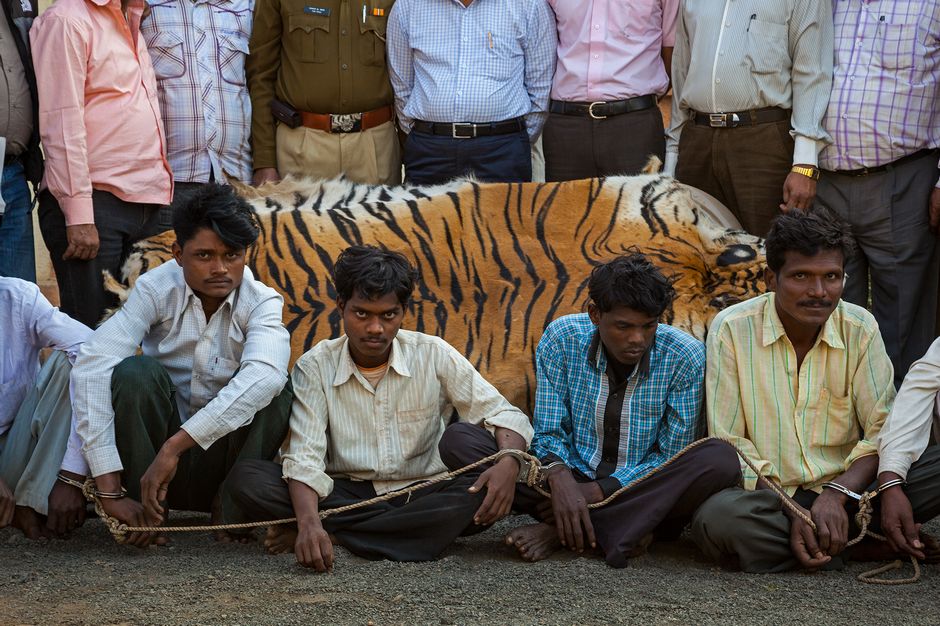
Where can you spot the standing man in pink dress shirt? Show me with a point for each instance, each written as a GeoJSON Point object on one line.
{"type": "Point", "coordinates": [106, 169]}
{"type": "Point", "coordinates": [614, 59]}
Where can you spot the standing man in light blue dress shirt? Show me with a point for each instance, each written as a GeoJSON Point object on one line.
{"type": "Point", "coordinates": [471, 81]}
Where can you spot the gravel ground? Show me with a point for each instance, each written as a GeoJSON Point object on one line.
{"type": "Point", "coordinates": [91, 580]}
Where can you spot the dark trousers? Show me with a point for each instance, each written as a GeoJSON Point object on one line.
{"type": "Point", "coordinates": [407, 528]}
{"type": "Point", "coordinates": [744, 168]}
{"type": "Point", "coordinates": [897, 259]}
{"type": "Point", "coordinates": [434, 159]}
{"type": "Point", "coordinates": [146, 415]}
{"type": "Point", "coordinates": [120, 224]}
{"type": "Point", "coordinates": [578, 146]}
{"type": "Point", "coordinates": [662, 504]}
{"type": "Point", "coordinates": [17, 255]}
{"type": "Point", "coordinates": [749, 529]}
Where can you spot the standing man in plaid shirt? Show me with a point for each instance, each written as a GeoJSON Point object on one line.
{"type": "Point", "coordinates": [880, 173]}
{"type": "Point", "coordinates": [198, 50]}
{"type": "Point", "coordinates": [471, 82]}
{"type": "Point", "coordinates": [618, 394]}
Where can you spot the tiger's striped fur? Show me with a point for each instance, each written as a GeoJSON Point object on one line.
{"type": "Point", "coordinates": [498, 262]}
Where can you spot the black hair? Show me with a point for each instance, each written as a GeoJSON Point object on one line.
{"type": "Point", "coordinates": [218, 208]}
{"type": "Point", "coordinates": [630, 281]}
{"type": "Point", "coordinates": [807, 232]}
{"type": "Point", "coordinates": [372, 272]}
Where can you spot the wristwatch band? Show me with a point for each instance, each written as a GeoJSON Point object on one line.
{"type": "Point", "coordinates": [809, 172]}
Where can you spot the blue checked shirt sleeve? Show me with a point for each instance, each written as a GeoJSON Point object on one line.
{"type": "Point", "coordinates": [401, 68]}
{"type": "Point", "coordinates": [539, 65]}
{"type": "Point", "coordinates": [681, 418]}
{"type": "Point", "coordinates": [552, 419]}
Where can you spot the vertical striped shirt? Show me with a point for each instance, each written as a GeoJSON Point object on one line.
{"type": "Point", "coordinates": [801, 426]}
{"type": "Point", "coordinates": [488, 62]}
{"type": "Point", "coordinates": [884, 102]}
{"type": "Point", "coordinates": [750, 54]}
{"type": "Point", "coordinates": [225, 369]}
{"type": "Point", "coordinates": [198, 50]}
{"type": "Point", "coordinates": [340, 425]}
{"type": "Point", "coordinates": [660, 417]}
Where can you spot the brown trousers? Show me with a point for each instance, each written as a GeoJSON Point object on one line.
{"type": "Point", "coordinates": [581, 147]}
{"type": "Point", "coordinates": [744, 168]}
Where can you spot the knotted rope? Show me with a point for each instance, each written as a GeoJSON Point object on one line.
{"type": "Point", "coordinates": [533, 479]}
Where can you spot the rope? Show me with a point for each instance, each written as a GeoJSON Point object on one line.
{"type": "Point", "coordinates": [533, 478]}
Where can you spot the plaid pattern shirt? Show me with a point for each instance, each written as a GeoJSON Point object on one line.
{"type": "Point", "coordinates": [198, 50]}
{"type": "Point", "coordinates": [488, 62]}
{"type": "Point", "coordinates": [661, 416]}
{"type": "Point", "coordinates": [884, 103]}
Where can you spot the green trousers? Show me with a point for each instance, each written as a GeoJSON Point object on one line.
{"type": "Point", "coordinates": [748, 529]}
{"type": "Point", "coordinates": [146, 415]}
{"type": "Point", "coordinates": [31, 451]}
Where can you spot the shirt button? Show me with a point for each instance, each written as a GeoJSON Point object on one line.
{"type": "Point", "coordinates": [459, 93]}
{"type": "Point", "coordinates": [343, 32]}
{"type": "Point", "coordinates": [344, 66]}
{"type": "Point", "coordinates": [721, 53]}
{"type": "Point", "coordinates": [597, 26]}
{"type": "Point", "coordinates": [597, 56]}
{"type": "Point", "coordinates": [727, 24]}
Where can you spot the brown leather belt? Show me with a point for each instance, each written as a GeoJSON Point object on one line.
{"type": "Point", "coordinates": [740, 118]}
{"type": "Point", "coordinates": [346, 122]}
{"type": "Point", "coordinates": [865, 171]}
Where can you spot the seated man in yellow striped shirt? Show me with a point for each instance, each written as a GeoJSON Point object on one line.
{"type": "Point", "coordinates": [800, 382]}
{"type": "Point", "coordinates": [369, 411]}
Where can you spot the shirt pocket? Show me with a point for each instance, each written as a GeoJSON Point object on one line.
{"type": "Point", "coordinates": [372, 32]}
{"type": "Point", "coordinates": [310, 34]}
{"type": "Point", "coordinates": [767, 47]}
{"type": "Point", "coordinates": [166, 54]}
{"type": "Point", "coordinates": [418, 430]}
{"type": "Point", "coordinates": [893, 42]}
{"type": "Point", "coordinates": [834, 423]}
{"type": "Point", "coordinates": [233, 48]}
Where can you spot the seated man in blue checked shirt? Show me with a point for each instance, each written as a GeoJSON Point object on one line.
{"type": "Point", "coordinates": [471, 81]}
{"type": "Point", "coordinates": [209, 388]}
{"type": "Point", "coordinates": [618, 395]}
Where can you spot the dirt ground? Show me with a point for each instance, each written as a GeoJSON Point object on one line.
{"type": "Point", "coordinates": [91, 580]}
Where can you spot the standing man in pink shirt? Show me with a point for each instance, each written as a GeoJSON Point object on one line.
{"type": "Point", "coordinates": [106, 169]}
{"type": "Point", "coordinates": [614, 59]}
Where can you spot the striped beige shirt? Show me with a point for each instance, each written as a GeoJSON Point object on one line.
{"type": "Point", "coordinates": [800, 426]}
{"type": "Point", "coordinates": [738, 55]}
{"type": "Point", "coordinates": [340, 426]}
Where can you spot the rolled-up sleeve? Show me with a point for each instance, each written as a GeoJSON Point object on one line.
{"type": "Point", "coordinates": [304, 457]}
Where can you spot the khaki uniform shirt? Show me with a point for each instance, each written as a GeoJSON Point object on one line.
{"type": "Point", "coordinates": [16, 103]}
{"type": "Point", "coordinates": [321, 56]}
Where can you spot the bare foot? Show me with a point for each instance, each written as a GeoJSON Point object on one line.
{"type": "Point", "coordinates": [931, 548]}
{"type": "Point", "coordinates": [226, 536]}
{"type": "Point", "coordinates": [641, 547]}
{"type": "Point", "coordinates": [280, 539]}
{"type": "Point", "coordinates": [30, 522]}
{"type": "Point", "coordinates": [534, 541]}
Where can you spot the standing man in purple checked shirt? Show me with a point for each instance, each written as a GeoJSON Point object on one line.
{"type": "Point", "coordinates": [880, 173]}
{"type": "Point", "coordinates": [614, 59]}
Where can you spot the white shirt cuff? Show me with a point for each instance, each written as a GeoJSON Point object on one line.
{"type": "Point", "coordinates": [669, 167]}
{"type": "Point", "coordinates": [806, 150]}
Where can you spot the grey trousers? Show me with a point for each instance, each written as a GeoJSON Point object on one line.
{"type": "Point", "coordinates": [31, 451]}
{"type": "Point", "coordinates": [897, 252]}
{"type": "Point", "coordinates": [748, 529]}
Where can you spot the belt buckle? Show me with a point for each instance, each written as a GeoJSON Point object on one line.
{"type": "Point", "coordinates": [720, 120]}
{"type": "Point", "coordinates": [345, 122]}
{"type": "Point", "coordinates": [471, 128]}
{"type": "Point", "coordinates": [591, 111]}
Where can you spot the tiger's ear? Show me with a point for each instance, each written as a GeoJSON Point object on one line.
{"type": "Point", "coordinates": [653, 165]}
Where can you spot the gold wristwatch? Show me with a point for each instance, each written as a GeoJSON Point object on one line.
{"type": "Point", "coordinates": [806, 170]}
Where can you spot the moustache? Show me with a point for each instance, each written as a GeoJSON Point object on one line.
{"type": "Point", "coordinates": [818, 304]}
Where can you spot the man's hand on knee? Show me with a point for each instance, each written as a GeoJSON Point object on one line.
{"type": "Point", "coordinates": [897, 522]}
{"type": "Point", "coordinates": [7, 505]}
{"type": "Point", "coordinates": [500, 484]}
{"type": "Point", "coordinates": [313, 547]}
{"type": "Point", "coordinates": [66, 506]}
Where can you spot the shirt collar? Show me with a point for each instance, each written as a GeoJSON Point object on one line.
{"type": "Point", "coordinates": [773, 328]}
{"type": "Point", "coordinates": [597, 358]}
{"type": "Point", "coordinates": [346, 368]}
{"type": "Point", "coordinates": [229, 299]}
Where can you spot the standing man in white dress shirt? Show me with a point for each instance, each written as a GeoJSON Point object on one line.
{"type": "Point", "coordinates": [750, 82]}
{"type": "Point", "coordinates": [36, 415]}
{"type": "Point", "coordinates": [369, 417]}
{"type": "Point", "coordinates": [209, 387]}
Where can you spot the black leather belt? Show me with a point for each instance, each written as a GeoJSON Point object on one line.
{"type": "Point", "coordinates": [865, 171]}
{"type": "Point", "coordinates": [600, 110]}
{"type": "Point", "coordinates": [740, 118]}
{"type": "Point", "coordinates": [469, 130]}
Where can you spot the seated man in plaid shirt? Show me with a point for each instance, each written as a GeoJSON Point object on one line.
{"type": "Point", "coordinates": [618, 395]}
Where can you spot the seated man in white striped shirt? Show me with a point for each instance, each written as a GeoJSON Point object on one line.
{"type": "Point", "coordinates": [164, 428]}
{"type": "Point", "coordinates": [369, 411]}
